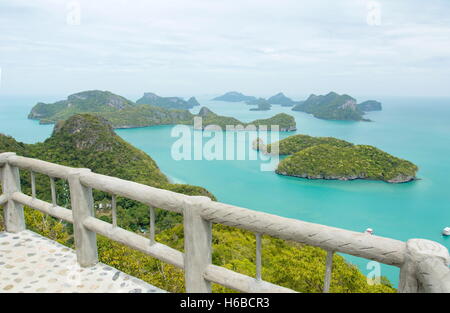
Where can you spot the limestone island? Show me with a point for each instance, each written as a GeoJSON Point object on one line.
{"type": "Point", "coordinates": [334, 159]}
{"type": "Point", "coordinates": [261, 105]}
{"type": "Point", "coordinates": [282, 100]}
{"type": "Point", "coordinates": [284, 121]}
{"type": "Point", "coordinates": [336, 107]}
{"type": "Point", "coordinates": [168, 102]}
{"type": "Point", "coordinates": [234, 96]}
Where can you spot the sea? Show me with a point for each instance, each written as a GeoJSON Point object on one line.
{"type": "Point", "coordinates": [416, 129]}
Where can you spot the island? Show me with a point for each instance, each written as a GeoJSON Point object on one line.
{"type": "Point", "coordinates": [285, 122]}
{"type": "Point", "coordinates": [168, 102]}
{"type": "Point", "coordinates": [370, 105]}
{"type": "Point", "coordinates": [282, 100]}
{"type": "Point", "coordinates": [261, 105]}
{"type": "Point", "coordinates": [234, 96]}
{"type": "Point", "coordinates": [334, 159]}
{"type": "Point", "coordinates": [334, 107]}
{"type": "Point", "coordinates": [123, 113]}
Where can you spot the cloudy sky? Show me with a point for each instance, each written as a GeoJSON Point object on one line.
{"type": "Point", "coordinates": [202, 47]}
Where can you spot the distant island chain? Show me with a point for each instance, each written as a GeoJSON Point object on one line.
{"type": "Point", "coordinates": [307, 157]}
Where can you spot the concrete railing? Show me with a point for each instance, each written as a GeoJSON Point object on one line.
{"type": "Point", "coordinates": [423, 264]}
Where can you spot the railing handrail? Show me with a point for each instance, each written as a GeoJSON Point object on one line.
{"type": "Point", "coordinates": [384, 250]}
{"type": "Point", "coordinates": [202, 213]}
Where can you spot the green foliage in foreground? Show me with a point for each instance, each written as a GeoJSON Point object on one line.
{"type": "Point", "coordinates": [87, 141]}
{"type": "Point", "coordinates": [352, 162]}
{"type": "Point", "coordinates": [288, 264]}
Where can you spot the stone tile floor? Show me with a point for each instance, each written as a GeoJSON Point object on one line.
{"type": "Point", "coordinates": [34, 264]}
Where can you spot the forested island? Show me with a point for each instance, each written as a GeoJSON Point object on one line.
{"type": "Point", "coordinates": [168, 102]}
{"type": "Point", "coordinates": [336, 107]}
{"type": "Point", "coordinates": [88, 141]}
{"type": "Point", "coordinates": [123, 113]}
{"type": "Point", "coordinates": [334, 159]}
{"type": "Point", "coordinates": [234, 96]}
{"type": "Point", "coordinates": [261, 105]}
{"type": "Point", "coordinates": [282, 100]}
{"type": "Point", "coordinates": [284, 121]}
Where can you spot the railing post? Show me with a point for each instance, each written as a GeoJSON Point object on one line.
{"type": "Point", "coordinates": [328, 271]}
{"type": "Point", "coordinates": [82, 203]}
{"type": "Point", "coordinates": [13, 211]}
{"type": "Point", "coordinates": [425, 268]}
{"type": "Point", "coordinates": [197, 247]}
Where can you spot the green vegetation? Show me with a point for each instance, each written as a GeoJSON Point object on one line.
{"type": "Point", "coordinates": [82, 102]}
{"type": "Point", "coordinates": [168, 102]}
{"type": "Point", "coordinates": [121, 112]}
{"type": "Point", "coordinates": [296, 143]}
{"type": "Point", "coordinates": [234, 96]}
{"type": "Point", "coordinates": [147, 115]}
{"type": "Point", "coordinates": [331, 158]}
{"type": "Point", "coordinates": [285, 263]}
{"type": "Point", "coordinates": [331, 107]}
{"type": "Point", "coordinates": [261, 103]}
{"type": "Point", "coordinates": [285, 122]}
{"type": "Point", "coordinates": [282, 100]}
{"type": "Point", "coordinates": [87, 141]}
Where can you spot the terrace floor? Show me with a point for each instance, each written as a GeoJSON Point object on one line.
{"type": "Point", "coordinates": [34, 264]}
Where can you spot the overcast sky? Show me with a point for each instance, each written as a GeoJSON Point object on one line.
{"type": "Point", "coordinates": [198, 47]}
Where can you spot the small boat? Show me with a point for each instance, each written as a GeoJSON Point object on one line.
{"type": "Point", "coordinates": [446, 231]}
{"type": "Point", "coordinates": [369, 231]}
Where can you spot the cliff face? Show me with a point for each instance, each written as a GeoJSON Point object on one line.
{"type": "Point", "coordinates": [400, 179]}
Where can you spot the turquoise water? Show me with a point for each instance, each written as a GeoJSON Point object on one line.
{"type": "Point", "coordinates": [14, 122]}
{"type": "Point", "coordinates": [414, 129]}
